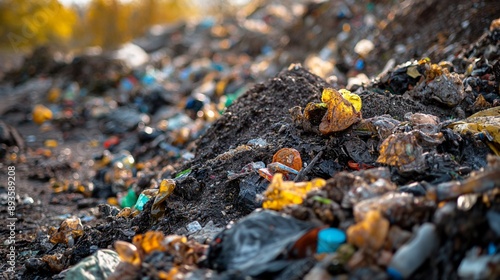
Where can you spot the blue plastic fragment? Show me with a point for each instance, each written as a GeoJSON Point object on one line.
{"type": "Point", "coordinates": [360, 64]}
{"type": "Point", "coordinates": [329, 239]}
{"type": "Point", "coordinates": [141, 201]}
{"type": "Point", "coordinates": [492, 249]}
{"type": "Point", "coordinates": [394, 274]}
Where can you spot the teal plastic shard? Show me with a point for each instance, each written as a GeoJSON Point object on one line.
{"type": "Point", "coordinates": [143, 199]}
{"type": "Point", "coordinates": [130, 199]}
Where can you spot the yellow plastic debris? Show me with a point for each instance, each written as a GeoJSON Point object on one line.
{"type": "Point", "coordinates": [53, 95]}
{"type": "Point", "coordinates": [51, 143]}
{"type": "Point", "coordinates": [41, 114]}
{"type": "Point", "coordinates": [340, 115]}
{"type": "Point", "coordinates": [485, 123]}
{"type": "Point", "coordinates": [369, 233]}
{"type": "Point", "coordinates": [282, 193]}
{"type": "Point", "coordinates": [112, 201]}
{"type": "Point", "coordinates": [127, 252]}
{"type": "Point", "coordinates": [167, 187]}
{"type": "Point", "coordinates": [353, 98]}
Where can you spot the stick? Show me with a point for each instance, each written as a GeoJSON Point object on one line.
{"type": "Point", "coordinates": [304, 171]}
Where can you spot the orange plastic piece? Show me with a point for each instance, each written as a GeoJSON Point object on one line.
{"type": "Point", "coordinates": [127, 252]}
{"type": "Point", "coordinates": [51, 143]}
{"type": "Point", "coordinates": [55, 262]}
{"type": "Point", "coordinates": [289, 157]}
{"type": "Point", "coordinates": [170, 275]}
{"type": "Point", "coordinates": [41, 114]}
{"type": "Point", "coordinates": [125, 212]}
{"type": "Point", "coordinates": [167, 187]}
{"type": "Point", "coordinates": [149, 241]}
{"type": "Point", "coordinates": [369, 233]}
{"type": "Point", "coordinates": [69, 229]}
{"type": "Point", "coordinates": [358, 166]}
{"type": "Point", "coordinates": [341, 113]}
{"type": "Point", "coordinates": [282, 193]}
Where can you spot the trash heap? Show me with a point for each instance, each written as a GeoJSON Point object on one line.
{"type": "Point", "coordinates": [195, 172]}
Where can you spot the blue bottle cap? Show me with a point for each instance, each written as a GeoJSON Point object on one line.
{"type": "Point", "coordinates": [394, 274]}
{"type": "Point", "coordinates": [329, 239]}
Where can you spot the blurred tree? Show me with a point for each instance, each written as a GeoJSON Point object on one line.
{"type": "Point", "coordinates": [112, 22]}
{"type": "Point", "coordinates": [27, 23]}
{"type": "Point", "coordinates": [107, 21]}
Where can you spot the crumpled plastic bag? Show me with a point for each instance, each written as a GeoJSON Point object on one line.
{"type": "Point", "coordinates": [485, 124]}
{"type": "Point", "coordinates": [100, 265]}
{"type": "Point", "coordinates": [341, 113]}
{"type": "Point", "coordinates": [254, 244]}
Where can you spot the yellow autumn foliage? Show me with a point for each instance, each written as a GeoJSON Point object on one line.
{"type": "Point", "coordinates": [27, 23]}
{"type": "Point", "coordinates": [106, 23]}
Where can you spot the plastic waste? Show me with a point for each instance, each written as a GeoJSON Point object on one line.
{"type": "Point", "coordinates": [51, 143]}
{"type": "Point", "coordinates": [127, 252]}
{"type": "Point", "coordinates": [329, 240]}
{"type": "Point", "coordinates": [405, 151]}
{"type": "Point", "coordinates": [123, 119]}
{"type": "Point", "coordinates": [289, 157]}
{"type": "Point", "coordinates": [257, 142]}
{"type": "Point", "coordinates": [448, 89]}
{"type": "Point", "coordinates": [340, 115]}
{"type": "Point", "coordinates": [494, 220]}
{"type": "Point", "coordinates": [247, 169]}
{"type": "Point", "coordinates": [149, 241]}
{"type": "Point", "coordinates": [68, 231]}
{"type": "Point", "coordinates": [353, 98]}
{"type": "Point", "coordinates": [479, 267]}
{"type": "Point", "coordinates": [402, 78]}
{"type": "Point", "coordinates": [206, 234]}
{"type": "Point", "coordinates": [253, 245]}
{"type": "Point", "coordinates": [129, 199]}
{"type": "Point", "coordinates": [481, 183]}
{"type": "Point", "coordinates": [410, 256]}
{"type": "Point", "coordinates": [155, 244]}
{"type": "Point", "coordinates": [41, 114]}
{"type": "Point", "coordinates": [370, 233]}
{"type": "Point", "coordinates": [167, 187]}
{"type": "Point", "coordinates": [364, 47]}
{"type": "Point", "coordinates": [382, 126]}
{"type": "Point", "coordinates": [282, 193]}
{"type": "Point", "coordinates": [193, 227]}
{"type": "Point", "coordinates": [55, 262]}
{"type": "Point", "coordinates": [99, 265]}
{"type": "Point", "coordinates": [410, 210]}
{"type": "Point", "coordinates": [484, 123]}
{"type": "Point", "coordinates": [144, 197]}
{"type": "Point", "coordinates": [251, 187]}
{"type": "Point", "coordinates": [266, 173]}
{"type": "Point", "coordinates": [281, 168]}
{"type": "Point", "coordinates": [183, 174]}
